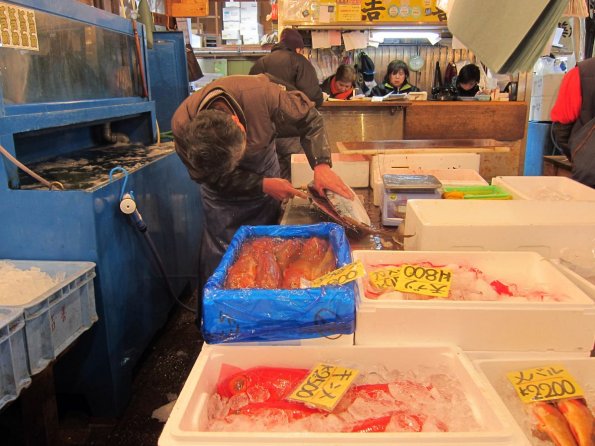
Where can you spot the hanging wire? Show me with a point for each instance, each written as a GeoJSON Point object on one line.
{"type": "Point", "coordinates": [49, 184]}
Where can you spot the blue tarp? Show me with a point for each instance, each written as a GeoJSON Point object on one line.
{"type": "Point", "coordinates": [247, 315]}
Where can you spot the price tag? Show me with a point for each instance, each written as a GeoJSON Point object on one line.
{"type": "Point", "coordinates": [345, 274]}
{"type": "Point", "coordinates": [544, 383]}
{"type": "Point", "coordinates": [385, 278]}
{"type": "Point", "coordinates": [324, 386]}
{"type": "Point", "coordinates": [416, 279]}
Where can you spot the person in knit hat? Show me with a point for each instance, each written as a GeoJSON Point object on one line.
{"type": "Point", "coordinates": [286, 65]}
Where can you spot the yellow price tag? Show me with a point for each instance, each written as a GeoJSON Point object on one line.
{"type": "Point", "coordinates": [324, 386]}
{"type": "Point", "coordinates": [550, 382]}
{"type": "Point", "coordinates": [385, 278]}
{"type": "Point", "coordinates": [345, 274]}
{"type": "Point", "coordinates": [434, 282]}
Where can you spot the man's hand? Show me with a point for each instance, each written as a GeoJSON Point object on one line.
{"type": "Point", "coordinates": [280, 189]}
{"type": "Point", "coordinates": [325, 178]}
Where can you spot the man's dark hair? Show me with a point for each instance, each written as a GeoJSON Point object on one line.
{"type": "Point", "coordinates": [345, 73]}
{"type": "Point", "coordinates": [212, 142]}
{"type": "Point", "coordinates": [394, 68]}
{"type": "Point", "coordinates": [468, 73]}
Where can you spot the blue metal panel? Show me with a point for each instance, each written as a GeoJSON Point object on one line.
{"type": "Point", "coordinates": [131, 297]}
{"type": "Point", "coordinates": [538, 144]}
{"type": "Point", "coordinates": [168, 75]}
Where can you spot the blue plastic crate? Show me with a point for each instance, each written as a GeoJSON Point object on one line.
{"type": "Point", "coordinates": [248, 315]}
{"type": "Point", "coordinates": [14, 373]}
{"type": "Point", "coordinates": [55, 318]}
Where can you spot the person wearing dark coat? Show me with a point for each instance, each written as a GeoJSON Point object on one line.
{"type": "Point", "coordinates": [224, 135]}
{"type": "Point", "coordinates": [286, 63]}
{"type": "Point", "coordinates": [340, 84]}
{"type": "Point", "coordinates": [395, 80]}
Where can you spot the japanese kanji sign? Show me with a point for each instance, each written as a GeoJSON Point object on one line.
{"type": "Point", "coordinates": [324, 386]}
{"type": "Point", "coordinates": [434, 282]}
{"type": "Point", "coordinates": [545, 383]}
{"type": "Point", "coordinates": [18, 28]}
{"type": "Point", "coordinates": [347, 273]}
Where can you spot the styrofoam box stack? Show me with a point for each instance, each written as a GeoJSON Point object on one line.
{"type": "Point", "coordinates": [56, 317]}
{"type": "Point", "coordinates": [400, 164]}
{"type": "Point", "coordinates": [544, 92]}
{"type": "Point", "coordinates": [481, 325]}
{"type": "Point", "coordinates": [587, 286]}
{"type": "Point", "coordinates": [548, 188]}
{"type": "Point", "coordinates": [14, 373]}
{"type": "Point", "coordinates": [582, 369]}
{"type": "Point", "coordinates": [353, 169]}
{"type": "Point", "coordinates": [499, 225]}
{"type": "Point", "coordinates": [188, 420]}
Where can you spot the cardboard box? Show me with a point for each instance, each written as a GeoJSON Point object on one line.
{"type": "Point", "coordinates": [541, 107]}
{"type": "Point", "coordinates": [546, 84]}
{"type": "Point", "coordinates": [545, 188]}
{"type": "Point", "coordinates": [230, 34]}
{"type": "Point", "coordinates": [500, 325]}
{"type": "Point", "coordinates": [353, 169]}
{"type": "Point", "coordinates": [187, 424]}
{"type": "Point", "coordinates": [231, 14]}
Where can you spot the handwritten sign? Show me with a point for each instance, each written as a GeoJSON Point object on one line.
{"type": "Point", "coordinates": [349, 10]}
{"type": "Point", "coordinates": [18, 28]}
{"type": "Point", "coordinates": [345, 274]}
{"type": "Point", "coordinates": [434, 282]}
{"type": "Point", "coordinates": [546, 383]}
{"type": "Point", "coordinates": [324, 386]}
{"type": "Point", "coordinates": [386, 278]}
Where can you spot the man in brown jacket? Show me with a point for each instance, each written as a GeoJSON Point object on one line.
{"type": "Point", "coordinates": [225, 135]}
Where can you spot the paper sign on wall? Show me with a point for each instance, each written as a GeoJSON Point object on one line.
{"type": "Point", "coordinates": [18, 27]}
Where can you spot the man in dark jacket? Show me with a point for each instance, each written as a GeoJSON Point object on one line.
{"type": "Point", "coordinates": [286, 63]}
{"type": "Point", "coordinates": [224, 135]}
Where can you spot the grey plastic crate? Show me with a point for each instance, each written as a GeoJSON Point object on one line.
{"type": "Point", "coordinates": [55, 318]}
{"type": "Point", "coordinates": [14, 373]}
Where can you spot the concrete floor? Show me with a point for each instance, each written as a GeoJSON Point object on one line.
{"type": "Point", "coordinates": [159, 378]}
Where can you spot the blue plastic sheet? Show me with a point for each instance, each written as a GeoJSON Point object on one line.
{"type": "Point", "coordinates": [248, 315]}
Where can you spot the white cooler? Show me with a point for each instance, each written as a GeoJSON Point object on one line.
{"type": "Point", "coordinates": [499, 225]}
{"type": "Point", "coordinates": [545, 188]}
{"type": "Point", "coordinates": [481, 325]}
{"type": "Point", "coordinates": [187, 422]}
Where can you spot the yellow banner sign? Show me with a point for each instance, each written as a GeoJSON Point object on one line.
{"type": "Point", "coordinates": [433, 282]}
{"type": "Point", "coordinates": [324, 386]}
{"type": "Point", "coordinates": [401, 11]}
{"type": "Point", "coordinates": [550, 382]}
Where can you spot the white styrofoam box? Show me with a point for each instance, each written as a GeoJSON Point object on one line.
{"type": "Point", "coordinates": [337, 340]}
{"type": "Point", "coordinates": [233, 4]}
{"type": "Point", "coordinates": [545, 188]}
{"type": "Point", "coordinates": [231, 26]}
{"type": "Point", "coordinates": [386, 163]}
{"type": "Point", "coordinates": [249, 15]}
{"type": "Point", "coordinates": [541, 107]}
{"type": "Point", "coordinates": [230, 34]}
{"type": "Point", "coordinates": [587, 286]}
{"type": "Point", "coordinates": [231, 15]}
{"type": "Point", "coordinates": [480, 325]}
{"type": "Point", "coordinates": [56, 317]}
{"type": "Point", "coordinates": [499, 225]}
{"type": "Point", "coordinates": [250, 39]}
{"type": "Point", "coordinates": [546, 84]}
{"type": "Point", "coordinates": [248, 5]}
{"type": "Point", "coordinates": [250, 29]}
{"type": "Point", "coordinates": [353, 169]}
{"type": "Point", "coordinates": [187, 422]}
{"type": "Point", "coordinates": [14, 373]}
{"type": "Point", "coordinates": [582, 369]}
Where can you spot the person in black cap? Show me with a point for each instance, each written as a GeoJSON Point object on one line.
{"type": "Point", "coordinates": [287, 65]}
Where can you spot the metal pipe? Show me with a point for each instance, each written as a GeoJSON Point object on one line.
{"type": "Point", "coordinates": [113, 137]}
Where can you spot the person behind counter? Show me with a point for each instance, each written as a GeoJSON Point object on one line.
{"type": "Point", "coordinates": [467, 81]}
{"type": "Point", "coordinates": [395, 80]}
{"type": "Point", "coordinates": [224, 135]}
{"type": "Point", "coordinates": [340, 84]}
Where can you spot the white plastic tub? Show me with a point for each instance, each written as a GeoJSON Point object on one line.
{"type": "Point", "coordinates": [481, 325]}
{"type": "Point", "coordinates": [399, 164]}
{"type": "Point", "coordinates": [583, 370]}
{"type": "Point", "coordinates": [14, 373]}
{"type": "Point", "coordinates": [545, 188]}
{"type": "Point", "coordinates": [587, 286]}
{"type": "Point", "coordinates": [187, 422]}
{"type": "Point", "coordinates": [499, 225]}
{"type": "Point", "coordinates": [353, 169]}
{"type": "Point", "coordinates": [57, 316]}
